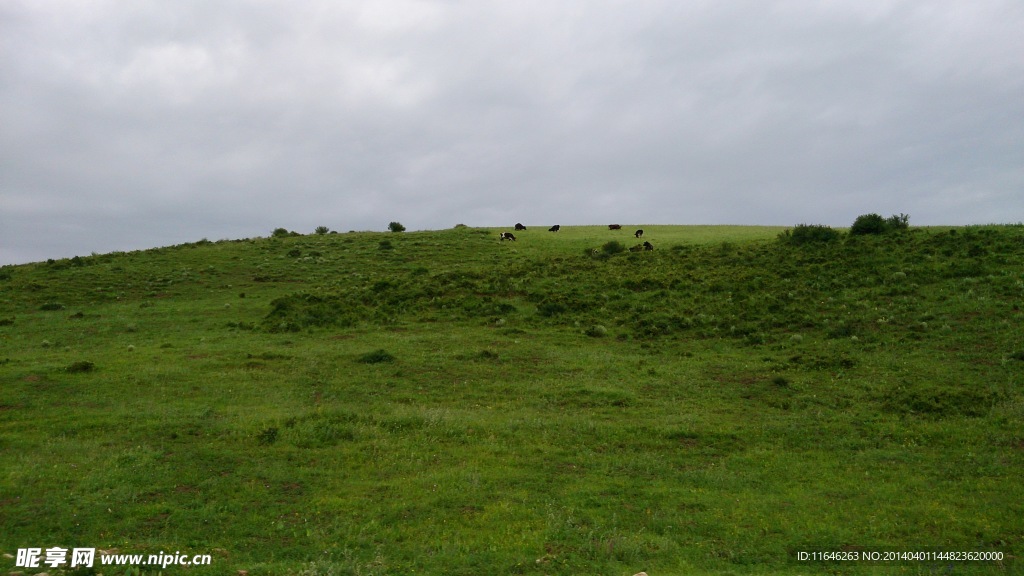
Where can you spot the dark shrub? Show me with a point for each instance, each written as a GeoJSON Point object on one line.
{"type": "Point", "coordinates": [809, 234]}
{"type": "Point", "coordinates": [900, 222]}
{"type": "Point", "coordinates": [503, 308]}
{"type": "Point", "coordinates": [51, 306]}
{"type": "Point", "coordinates": [280, 233]}
{"type": "Point", "coordinates": [549, 309]}
{"type": "Point", "coordinates": [875, 224]}
{"type": "Point", "coordinates": [396, 227]}
{"type": "Point", "coordinates": [321, 230]}
{"type": "Point", "coordinates": [840, 330]}
{"type": "Point", "coordinates": [81, 366]}
{"type": "Point", "coordinates": [295, 312]}
{"type": "Point", "coordinates": [868, 224]}
{"type": "Point", "coordinates": [648, 325]}
{"type": "Point", "coordinates": [376, 357]}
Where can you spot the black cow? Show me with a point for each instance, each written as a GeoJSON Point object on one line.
{"type": "Point", "coordinates": [554, 228]}
{"type": "Point", "coordinates": [520, 227]}
{"type": "Point", "coordinates": [648, 245]}
{"type": "Point", "coordinates": [639, 233]}
{"type": "Point", "coordinates": [615, 227]}
{"type": "Point", "coordinates": [507, 236]}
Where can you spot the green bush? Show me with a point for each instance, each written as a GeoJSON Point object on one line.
{"type": "Point", "coordinates": [875, 224]}
{"type": "Point", "coordinates": [613, 247]}
{"type": "Point", "coordinates": [80, 366]}
{"type": "Point", "coordinates": [868, 224]}
{"type": "Point", "coordinates": [321, 230]}
{"type": "Point", "coordinates": [296, 312]}
{"type": "Point", "coordinates": [396, 227]}
{"type": "Point", "coordinates": [898, 222]}
{"type": "Point", "coordinates": [809, 234]}
{"type": "Point", "coordinates": [549, 309]}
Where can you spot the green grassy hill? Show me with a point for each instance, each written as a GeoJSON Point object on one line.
{"type": "Point", "coordinates": [444, 403]}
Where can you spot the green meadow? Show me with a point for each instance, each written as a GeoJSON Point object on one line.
{"type": "Point", "coordinates": [442, 402]}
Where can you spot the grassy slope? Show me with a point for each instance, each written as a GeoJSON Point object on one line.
{"type": "Point", "coordinates": [708, 407]}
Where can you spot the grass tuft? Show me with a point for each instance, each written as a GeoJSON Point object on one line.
{"type": "Point", "coordinates": [79, 367]}
{"type": "Point", "coordinates": [376, 357]}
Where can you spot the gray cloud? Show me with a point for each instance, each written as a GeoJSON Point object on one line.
{"type": "Point", "coordinates": [127, 126]}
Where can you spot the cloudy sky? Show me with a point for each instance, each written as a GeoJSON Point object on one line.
{"type": "Point", "coordinates": [130, 124]}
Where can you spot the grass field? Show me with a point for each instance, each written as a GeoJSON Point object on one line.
{"type": "Point", "coordinates": [440, 402]}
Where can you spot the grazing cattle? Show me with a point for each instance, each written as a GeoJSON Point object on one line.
{"type": "Point", "coordinates": [554, 228]}
{"type": "Point", "coordinates": [648, 245]}
{"type": "Point", "coordinates": [639, 233]}
{"type": "Point", "coordinates": [615, 227]}
{"type": "Point", "coordinates": [506, 236]}
{"type": "Point", "coordinates": [520, 227]}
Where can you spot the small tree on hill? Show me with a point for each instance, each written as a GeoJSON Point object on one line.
{"type": "Point", "coordinates": [396, 227]}
{"type": "Point", "coordinates": [875, 224]}
{"type": "Point", "coordinates": [900, 222]}
{"type": "Point", "coordinates": [321, 230]}
{"type": "Point", "coordinates": [868, 224]}
{"type": "Point", "coordinates": [809, 234]}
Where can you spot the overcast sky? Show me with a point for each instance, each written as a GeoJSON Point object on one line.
{"type": "Point", "coordinates": [131, 124]}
